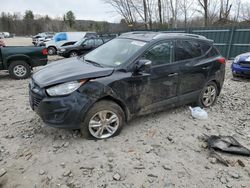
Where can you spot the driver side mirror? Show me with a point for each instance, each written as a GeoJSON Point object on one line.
{"type": "Point", "coordinates": [143, 65]}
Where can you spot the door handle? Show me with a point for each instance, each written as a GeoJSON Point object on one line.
{"type": "Point", "coordinates": [173, 74]}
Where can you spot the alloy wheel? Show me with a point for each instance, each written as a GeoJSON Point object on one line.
{"type": "Point", "coordinates": [103, 124]}
{"type": "Point", "coordinates": [209, 95]}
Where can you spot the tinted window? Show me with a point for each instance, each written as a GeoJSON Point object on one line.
{"type": "Point", "coordinates": [89, 43]}
{"type": "Point", "coordinates": [213, 52]}
{"type": "Point", "coordinates": [205, 47]}
{"type": "Point", "coordinates": [187, 50]}
{"type": "Point", "coordinates": [98, 42]}
{"type": "Point", "coordinates": [160, 53]}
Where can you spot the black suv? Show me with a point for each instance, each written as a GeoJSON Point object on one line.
{"type": "Point", "coordinates": [134, 74]}
{"type": "Point", "coordinates": [80, 48]}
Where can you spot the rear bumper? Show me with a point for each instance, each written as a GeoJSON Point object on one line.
{"type": "Point", "coordinates": [40, 62]}
{"type": "Point", "coordinates": [61, 112]}
{"type": "Point", "coordinates": [240, 70]}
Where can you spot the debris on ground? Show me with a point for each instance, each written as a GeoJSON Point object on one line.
{"type": "Point", "coordinates": [198, 113]}
{"type": "Point", "coordinates": [227, 144]}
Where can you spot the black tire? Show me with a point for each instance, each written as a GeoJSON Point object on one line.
{"type": "Point", "coordinates": [104, 105]}
{"type": "Point", "coordinates": [201, 101]}
{"type": "Point", "coordinates": [73, 54]}
{"type": "Point", "coordinates": [235, 75]}
{"type": "Point", "coordinates": [19, 70]}
{"type": "Point", "coordinates": [51, 50]}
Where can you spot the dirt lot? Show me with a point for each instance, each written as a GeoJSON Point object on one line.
{"type": "Point", "coordinates": [159, 150]}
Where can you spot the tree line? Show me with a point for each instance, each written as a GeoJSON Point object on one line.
{"type": "Point", "coordinates": [136, 15]}
{"type": "Point", "coordinates": [31, 24]}
{"type": "Point", "coordinates": [163, 14]}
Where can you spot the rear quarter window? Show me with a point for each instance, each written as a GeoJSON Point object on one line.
{"type": "Point", "coordinates": [185, 49]}
{"type": "Point", "coordinates": [205, 47]}
{"type": "Point", "coordinates": [213, 52]}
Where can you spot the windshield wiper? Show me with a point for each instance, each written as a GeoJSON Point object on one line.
{"type": "Point", "coordinates": [93, 62]}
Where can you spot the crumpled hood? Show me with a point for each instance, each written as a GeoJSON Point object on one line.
{"type": "Point", "coordinates": [244, 57]}
{"type": "Point", "coordinates": [67, 70]}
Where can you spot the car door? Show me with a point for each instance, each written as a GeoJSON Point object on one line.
{"type": "Point", "coordinates": [98, 42]}
{"type": "Point", "coordinates": [87, 46]}
{"type": "Point", "coordinates": [161, 86]}
{"type": "Point", "coordinates": [194, 66]}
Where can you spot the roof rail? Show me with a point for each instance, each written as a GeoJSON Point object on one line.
{"type": "Point", "coordinates": [138, 32]}
{"type": "Point", "coordinates": [185, 34]}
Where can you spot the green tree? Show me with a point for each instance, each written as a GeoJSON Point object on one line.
{"type": "Point", "coordinates": [28, 15]}
{"type": "Point", "coordinates": [69, 18]}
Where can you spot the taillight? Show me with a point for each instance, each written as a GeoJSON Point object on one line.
{"type": "Point", "coordinates": [45, 51]}
{"type": "Point", "coordinates": [222, 60]}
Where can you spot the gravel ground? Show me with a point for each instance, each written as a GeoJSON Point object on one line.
{"type": "Point", "coordinates": [158, 150]}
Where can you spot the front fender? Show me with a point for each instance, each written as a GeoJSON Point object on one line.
{"type": "Point", "coordinates": [97, 91]}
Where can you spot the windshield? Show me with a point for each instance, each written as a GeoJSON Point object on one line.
{"type": "Point", "coordinates": [115, 52]}
{"type": "Point", "coordinates": [78, 43]}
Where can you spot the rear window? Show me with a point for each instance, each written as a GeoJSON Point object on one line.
{"type": "Point", "coordinates": [205, 47]}
{"type": "Point", "coordinates": [213, 52]}
{"type": "Point", "coordinates": [187, 50]}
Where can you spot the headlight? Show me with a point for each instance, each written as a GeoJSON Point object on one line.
{"type": "Point", "coordinates": [62, 50]}
{"type": "Point", "coordinates": [236, 59]}
{"type": "Point", "coordinates": [65, 88]}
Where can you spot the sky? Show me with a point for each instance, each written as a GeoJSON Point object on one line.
{"type": "Point", "coordinates": [83, 9]}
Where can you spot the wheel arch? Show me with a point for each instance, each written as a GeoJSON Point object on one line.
{"type": "Point", "coordinates": [120, 103]}
{"type": "Point", "coordinates": [18, 58]}
{"type": "Point", "coordinates": [217, 84]}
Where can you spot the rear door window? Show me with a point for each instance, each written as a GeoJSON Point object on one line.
{"type": "Point", "coordinates": [98, 42]}
{"type": "Point", "coordinates": [185, 49]}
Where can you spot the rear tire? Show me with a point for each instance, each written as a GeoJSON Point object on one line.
{"type": "Point", "coordinates": [19, 70]}
{"type": "Point", "coordinates": [104, 120]}
{"type": "Point", "coordinates": [208, 95]}
{"type": "Point", "coordinates": [51, 50]}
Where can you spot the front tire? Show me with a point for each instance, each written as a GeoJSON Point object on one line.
{"type": "Point", "coordinates": [208, 95]}
{"type": "Point", "coordinates": [19, 70]}
{"type": "Point", "coordinates": [73, 54]}
{"type": "Point", "coordinates": [104, 120]}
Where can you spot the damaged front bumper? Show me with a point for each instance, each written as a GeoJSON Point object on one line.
{"type": "Point", "coordinates": [61, 112]}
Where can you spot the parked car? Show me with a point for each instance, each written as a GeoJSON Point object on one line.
{"type": "Point", "coordinates": [41, 38]}
{"type": "Point", "coordinates": [1, 35]}
{"type": "Point", "coordinates": [64, 37]}
{"type": "Point", "coordinates": [81, 47]}
{"type": "Point", "coordinates": [134, 74]}
{"type": "Point", "coordinates": [6, 34]}
{"type": "Point", "coordinates": [42, 41]}
{"type": "Point", "coordinates": [19, 61]}
{"type": "Point", "coordinates": [241, 65]}
{"type": "Point", "coordinates": [2, 44]}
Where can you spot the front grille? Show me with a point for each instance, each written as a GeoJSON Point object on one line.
{"type": "Point", "coordinates": [36, 101]}
{"type": "Point", "coordinates": [245, 63]}
{"type": "Point", "coordinates": [36, 95]}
